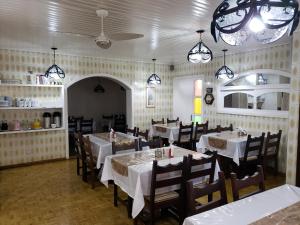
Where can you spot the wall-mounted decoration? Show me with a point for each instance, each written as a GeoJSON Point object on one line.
{"type": "Point", "coordinates": [150, 97]}
{"type": "Point", "coordinates": [209, 98]}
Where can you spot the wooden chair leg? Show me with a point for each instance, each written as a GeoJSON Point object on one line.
{"type": "Point", "coordinates": [129, 206]}
{"type": "Point", "coordinates": [115, 195]}
{"type": "Point", "coordinates": [93, 179]}
{"type": "Point", "coordinates": [78, 166]}
{"type": "Point", "coordinates": [84, 172]}
{"type": "Point", "coordinates": [276, 167]}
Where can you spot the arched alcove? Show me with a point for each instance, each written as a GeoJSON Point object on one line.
{"type": "Point", "coordinates": [122, 83]}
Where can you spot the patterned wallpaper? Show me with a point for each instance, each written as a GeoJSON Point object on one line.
{"type": "Point", "coordinates": [277, 58]}
{"type": "Point", "coordinates": [14, 64]}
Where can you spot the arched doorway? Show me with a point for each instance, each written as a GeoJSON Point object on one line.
{"type": "Point", "coordinates": [97, 77]}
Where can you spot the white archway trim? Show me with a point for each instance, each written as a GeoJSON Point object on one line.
{"type": "Point", "coordinates": [129, 100]}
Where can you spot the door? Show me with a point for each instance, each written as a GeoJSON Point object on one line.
{"type": "Point", "coordinates": [187, 98]}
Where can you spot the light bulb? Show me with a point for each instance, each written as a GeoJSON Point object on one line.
{"type": "Point", "coordinates": [256, 25]}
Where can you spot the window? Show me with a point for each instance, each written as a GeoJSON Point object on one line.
{"type": "Point", "coordinates": [197, 115]}
{"type": "Point", "coordinates": [259, 93]}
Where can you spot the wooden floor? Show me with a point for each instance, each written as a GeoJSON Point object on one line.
{"type": "Point", "coordinates": [52, 193]}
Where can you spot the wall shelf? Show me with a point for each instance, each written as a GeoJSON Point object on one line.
{"type": "Point", "coordinates": [31, 85]}
{"type": "Point", "coordinates": [32, 131]}
{"type": "Point", "coordinates": [30, 108]}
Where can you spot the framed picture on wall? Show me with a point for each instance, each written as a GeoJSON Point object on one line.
{"type": "Point", "coordinates": [150, 97]}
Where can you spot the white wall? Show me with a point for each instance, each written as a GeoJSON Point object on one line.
{"type": "Point", "coordinates": [83, 101]}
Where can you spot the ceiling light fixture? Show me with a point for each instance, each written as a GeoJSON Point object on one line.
{"type": "Point", "coordinates": [54, 71]}
{"type": "Point", "coordinates": [224, 71]}
{"type": "Point", "coordinates": [154, 79]}
{"type": "Point", "coordinates": [235, 21]}
{"type": "Point", "coordinates": [200, 53]}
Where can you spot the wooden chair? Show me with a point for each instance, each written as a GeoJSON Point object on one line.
{"type": "Point", "coordinates": [195, 192]}
{"type": "Point", "coordinates": [86, 126]}
{"type": "Point", "coordinates": [90, 161]}
{"type": "Point", "coordinates": [185, 136]}
{"type": "Point", "coordinates": [200, 128]}
{"type": "Point", "coordinates": [117, 148]}
{"type": "Point", "coordinates": [162, 121]}
{"type": "Point", "coordinates": [133, 131]}
{"type": "Point", "coordinates": [237, 184]}
{"type": "Point", "coordinates": [271, 151]}
{"type": "Point", "coordinates": [161, 179]}
{"type": "Point", "coordinates": [252, 156]}
{"type": "Point", "coordinates": [203, 168]}
{"type": "Point", "coordinates": [221, 129]}
{"type": "Point", "coordinates": [144, 135]}
{"type": "Point", "coordinates": [157, 143]}
{"type": "Point", "coordinates": [212, 130]}
{"type": "Point", "coordinates": [173, 121]}
{"type": "Point", "coordinates": [80, 155]}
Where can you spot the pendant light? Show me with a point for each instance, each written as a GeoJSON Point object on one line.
{"type": "Point", "coordinates": [200, 53]}
{"type": "Point", "coordinates": [55, 71]}
{"type": "Point", "coordinates": [154, 79]}
{"type": "Point", "coordinates": [224, 71]}
{"type": "Point", "coordinates": [265, 21]}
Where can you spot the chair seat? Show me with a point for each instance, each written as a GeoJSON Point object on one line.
{"type": "Point", "coordinates": [250, 158]}
{"type": "Point", "coordinates": [164, 197]}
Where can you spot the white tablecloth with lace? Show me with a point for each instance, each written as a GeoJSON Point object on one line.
{"type": "Point", "coordinates": [137, 182]}
{"type": "Point", "coordinates": [102, 147]}
{"type": "Point", "coordinates": [251, 209]}
{"type": "Point", "coordinates": [169, 131]}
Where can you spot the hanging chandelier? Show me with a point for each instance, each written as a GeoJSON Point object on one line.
{"type": "Point", "coordinates": [200, 53]}
{"type": "Point", "coordinates": [54, 71]}
{"type": "Point", "coordinates": [224, 71]}
{"type": "Point", "coordinates": [266, 21]}
{"type": "Point", "coordinates": [154, 79]}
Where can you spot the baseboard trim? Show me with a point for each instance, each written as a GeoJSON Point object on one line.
{"type": "Point", "coordinates": [31, 163]}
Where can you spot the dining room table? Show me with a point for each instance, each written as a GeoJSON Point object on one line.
{"type": "Point", "coordinates": [132, 171]}
{"type": "Point", "coordinates": [280, 205]}
{"type": "Point", "coordinates": [166, 130]}
{"type": "Point", "coordinates": [101, 144]}
{"type": "Point", "coordinates": [231, 144]}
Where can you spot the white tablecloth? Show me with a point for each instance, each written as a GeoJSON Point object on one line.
{"type": "Point", "coordinates": [172, 131]}
{"type": "Point", "coordinates": [102, 148]}
{"type": "Point", "coordinates": [250, 209]}
{"type": "Point", "coordinates": [235, 148]}
{"type": "Point", "coordinates": [138, 183]}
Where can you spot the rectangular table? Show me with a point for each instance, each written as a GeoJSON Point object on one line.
{"type": "Point", "coordinates": [102, 147]}
{"type": "Point", "coordinates": [249, 210]}
{"type": "Point", "coordinates": [226, 143]}
{"type": "Point", "coordinates": [132, 172]}
{"type": "Point", "coordinates": [170, 131]}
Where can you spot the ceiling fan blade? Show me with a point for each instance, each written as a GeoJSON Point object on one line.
{"type": "Point", "coordinates": [124, 36]}
{"type": "Point", "coordinates": [75, 34]}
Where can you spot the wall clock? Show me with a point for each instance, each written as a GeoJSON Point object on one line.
{"type": "Point", "coordinates": [209, 98]}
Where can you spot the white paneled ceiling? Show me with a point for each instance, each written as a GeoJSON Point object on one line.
{"type": "Point", "coordinates": [168, 26]}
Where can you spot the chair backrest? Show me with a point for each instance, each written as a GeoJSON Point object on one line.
{"type": "Point", "coordinates": [229, 128]}
{"type": "Point", "coordinates": [195, 192]}
{"type": "Point", "coordinates": [156, 143]}
{"type": "Point", "coordinates": [173, 121]}
{"type": "Point", "coordinates": [272, 144]}
{"type": "Point", "coordinates": [185, 132]}
{"type": "Point", "coordinates": [162, 179]}
{"type": "Point", "coordinates": [196, 169]}
{"type": "Point", "coordinates": [200, 128]}
{"type": "Point", "coordinates": [124, 146]}
{"type": "Point", "coordinates": [86, 126]}
{"type": "Point", "coordinates": [88, 152]}
{"type": "Point", "coordinates": [131, 131]}
{"type": "Point", "coordinates": [212, 130]}
{"type": "Point", "coordinates": [162, 121]}
{"type": "Point", "coordinates": [238, 184]}
{"type": "Point", "coordinates": [254, 147]}
{"type": "Point", "coordinates": [79, 145]}
{"type": "Point", "coordinates": [144, 135]}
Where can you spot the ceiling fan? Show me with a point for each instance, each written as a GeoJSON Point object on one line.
{"type": "Point", "coordinates": [104, 41]}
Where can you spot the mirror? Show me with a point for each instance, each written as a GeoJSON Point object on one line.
{"type": "Point", "coordinates": [273, 101]}
{"type": "Point", "coordinates": [259, 79]}
{"type": "Point", "coordinates": [239, 100]}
